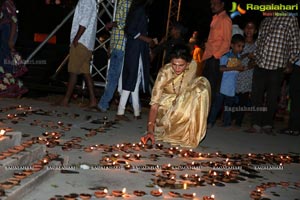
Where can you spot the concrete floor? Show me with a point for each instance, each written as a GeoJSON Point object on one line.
{"type": "Point", "coordinates": [218, 139]}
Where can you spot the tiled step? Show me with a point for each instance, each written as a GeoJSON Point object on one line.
{"type": "Point", "coordinates": [28, 184]}
{"type": "Point", "coordinates": [9, 140]}
{"type": "Point", "coordinates": [21, 160]}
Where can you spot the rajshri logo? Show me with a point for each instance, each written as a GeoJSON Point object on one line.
{"type": "Point", "coordinates": [277, 9]}
{"type": "Point", "coordinates": [236, 10]}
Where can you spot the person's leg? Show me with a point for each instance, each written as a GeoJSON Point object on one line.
{"type": "Point", "coordinates": [212, 72]}
{"type": "Point", "coordinates": [90, 86]}
{"type": "Point", "coordinates": [257, 95]}
{"type": "Point", "coordinates": [123, 101]}
{"type": "Point", "coordinates": [76, 62]}
{"type": "Point", "coordinates": [113, 75]}
{"type": "Point", "coordinates": [215, 109]}
{"type": "Point", "coordinates": [228, 103]}
{"type": "Point", "coordinates": [273, 87]}
{"type": "Point", "coordinates": [71, 84]}
{"type": "Point", "coordinates": [83, 63]}
{"type": "Point", "coordinates": [135, 93]}
{"type": "Point", "coordinates": [294, 116]}
{"type": "Point", "coordinates": [243, 102]}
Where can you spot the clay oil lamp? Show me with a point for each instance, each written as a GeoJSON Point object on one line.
{"type": "Point", "coordinates": [7, 153]}
{"type": "Point", "coordinates": [101, 194]}
{"type": "Point", "coordinates": [156, 193]}
{"type": "Point", "coordinates": [184, 177]}
{"type": "Point", "coordinates": [37, 167]}
{"type": "Point", "coordinates": [6, 185]}
{"type": "Point", "coordinates": [19, 175]}
{"type": "Point", "coordinates": [45, 161]}
{"type": "Point", "coordinates": [174, 194]}
{"type": "Point", "coordinates": [19, 148]}
{"type": "Point", "coordinates": [135, 147]}
{"type": "Point", "coordinates": [46, 134]}
{"type": "Point", "coordinates": [13, 150]}
{"type": "Point", "coordinates": [159, 146]}
{"type": "Point", "coordinates": [119, 193]}
{"type": "Point", "coordinates": [212, 197]}
{"type": "Point", "coordinates": [116, 155]}
{"type": "Point", "coordinates": [189, 196]}
{"type": "Point", "coordinates": [127, 156]}
{"type": "Point", "coordinates": [10, 116]}
{"type": "Point", "coordinates": [139, 193]}
{"type": "Point", "coordinates": [137, 156]}
{"type": "Point", "coordinates": [27, 172]}
{"type": "Point", "coordinates": [127, 166]}
{"type": "Point", "coordinates": [69, 197]}
{"type": "Point", "coordinates": [255, 194]}
{"type": "Point", "coordinates": [85, 196]}
{"type": "Point", "coordinates": [15, 181]}
{"type": "Point", "coordinates": [171, 181]}
{"type": "Point", "coordinates": [200, 182]}
{"type": "Point", "coordinates": [2, 133]}
{"type": "Point", "coordinates": [88, 149]}
{"type": "Point", "coordinates": [167, 167]}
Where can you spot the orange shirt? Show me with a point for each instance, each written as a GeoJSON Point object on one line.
{"type": "Point", "coordinates": [219, 38]}
{"type": "Point", "coordinates": [197, 54]}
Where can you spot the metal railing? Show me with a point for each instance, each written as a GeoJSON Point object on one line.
{"type": "Point", "coordinates": [107, 7]}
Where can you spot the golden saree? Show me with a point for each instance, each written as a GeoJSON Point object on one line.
{"type": "Point", "coordinates": [183, 110]}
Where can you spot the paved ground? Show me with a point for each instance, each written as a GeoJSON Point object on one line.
{"type": "Point", "coordinates": [219, 146]}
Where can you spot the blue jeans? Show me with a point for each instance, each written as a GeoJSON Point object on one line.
{"type": "Point", "coordinates": [113, 75]}
{"type": "Point", "coordinates": [217, 106]}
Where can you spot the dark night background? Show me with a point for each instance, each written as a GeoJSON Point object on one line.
{"type": "Point", "coordinates": [37, 17]}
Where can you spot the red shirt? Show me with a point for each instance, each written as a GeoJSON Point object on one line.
{"type": "Point", "coordinates": [219, 38]}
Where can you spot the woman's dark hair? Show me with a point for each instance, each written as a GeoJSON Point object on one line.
{"type": "Point", "coordinates": [182, 51]}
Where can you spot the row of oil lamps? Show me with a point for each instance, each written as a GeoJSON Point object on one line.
{"type": "Point", "coordinates": [122, 193]}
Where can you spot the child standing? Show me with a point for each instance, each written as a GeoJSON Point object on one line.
{"type": "Point", "coordinates": [244, 79]}
{"type": "Point", "coordinates": [230, 65]}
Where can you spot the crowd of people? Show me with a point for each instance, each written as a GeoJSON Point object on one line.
{"type": "Point", "coordinates": [231, 72]}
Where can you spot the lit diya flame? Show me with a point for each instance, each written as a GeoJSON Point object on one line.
{"type": "Point", "coordinates": [212, 197]}
{"type": "Point", "coordinates": [137, 156]}
{"type": "Point", "coordinates": [101, 194]}
{"type": "Point", "coordinates": [156, 193]}
{"type": "Point", "coordinates": [2, 132]}
{"type": "Point", "coordinates": [45, 160]}
{"type": "Point", "coordinates": [116, 155]}
{"type": "Point", "coordinates": [189, 196]}
{"type": "Point", "coordinates": [118, 193]}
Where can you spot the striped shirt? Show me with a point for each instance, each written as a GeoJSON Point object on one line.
{"type": "Point", "coordinates": [277, 43]}
{"type": "Point", "coordinates": [117, 35]}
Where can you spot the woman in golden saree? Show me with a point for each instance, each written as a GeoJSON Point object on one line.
{"type": "Point", "coordinates": [180, 102]}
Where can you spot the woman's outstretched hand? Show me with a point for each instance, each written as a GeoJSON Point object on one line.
{"type": "Point", "coordinates": [148, 136]}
